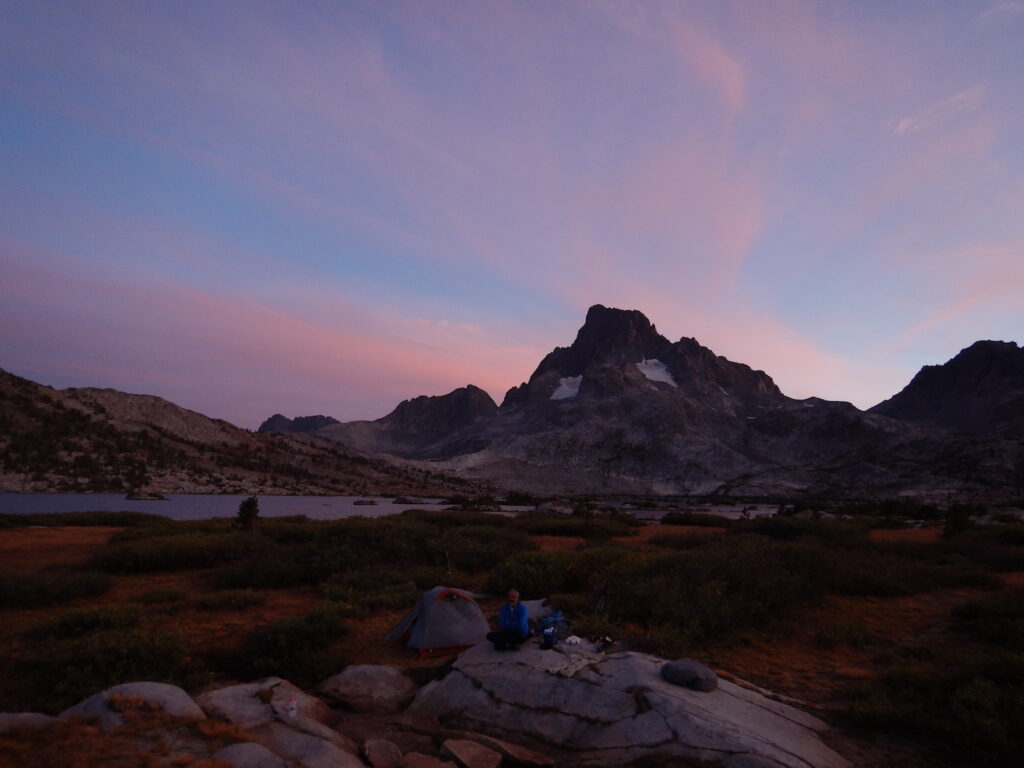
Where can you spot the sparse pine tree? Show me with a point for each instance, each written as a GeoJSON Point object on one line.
{"type": "Point", "coordinates": [248, 513]}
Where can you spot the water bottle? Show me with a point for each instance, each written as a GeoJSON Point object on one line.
{"type": "Point", "coordinates": [293, 707]}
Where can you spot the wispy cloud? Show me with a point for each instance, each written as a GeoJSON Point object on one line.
{"type": "Point", "coordinates": [1003, 9]}
{"type": "Point", "coordinates": [964, 101]}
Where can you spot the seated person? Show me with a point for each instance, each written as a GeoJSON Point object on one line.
{"type": "Point", "coordinates": [512, 624]}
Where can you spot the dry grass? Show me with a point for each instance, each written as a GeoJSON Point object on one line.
{"type": "Point", "coordinates": [148, 739]}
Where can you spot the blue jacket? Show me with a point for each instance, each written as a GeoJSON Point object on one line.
{"type": "Point", "coordinates": [513, 619]}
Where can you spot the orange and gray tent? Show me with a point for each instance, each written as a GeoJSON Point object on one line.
{"type": "Point", "coordinates": [445, 620]}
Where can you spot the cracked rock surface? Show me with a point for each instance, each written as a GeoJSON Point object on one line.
{"type": "Point", "coordinates": [616, 708]}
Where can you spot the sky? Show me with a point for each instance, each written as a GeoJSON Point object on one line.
{"type": "Point", "coordinates": [314, 207]}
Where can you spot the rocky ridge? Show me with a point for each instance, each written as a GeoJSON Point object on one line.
{"type": "Point", "coordinates": [102, 440]}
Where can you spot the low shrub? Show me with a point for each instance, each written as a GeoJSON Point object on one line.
{"type": "Point", "coordinates": [66, 670]}
{"type": "Point", "coordinates": [175, 552]}
{"type": "Point", "coordinates": [679, 540]}
{"type": "Point", "coordinates": [853, 634]}
{"type": "Point", "coordinates": [997, 619]}
{"type": "Point", "coordinates": [884, 570]}
{"type": "Point", "coordinates": [297, 649]}
{"type": "Point", "coordinates": [230, 600]}
{"type": "Point", "coordinates": [971, 706]}
{"type": "Point", "coordinates": [696, 518]}
{"type": "Point", "coordinates": [271, 567]}
{"type": "Point", "coordinates": [998, 547]}
{"type": "Point", "coordinates": [726, 584]}
{"type": "Point", "coordinates": [538, 574]}
{"type": "Point", "coordinates": [583, 525]}
{"type": "Point", "coordinates": [83, 621]}
{"type": "Point", "coordinates": [169, 598]}
{"type": "Point", "coordinates": [792, 528]}
{"type": "Point", "coordinates": [24, 590]}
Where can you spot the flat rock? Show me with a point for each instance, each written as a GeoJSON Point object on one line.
{"type": "Point", "coordinates": [419, 760]}
{"type": "Point", "coordinates": [25, 721]}
{"type": "Point", "coordinates": [102, 706]}
{"type": "Point", "coordinates": [690, 674]}
{"type": "Point", "coordinates": [516, 753]}
{"type": "Point", "coordinates": [616, 708]}
{"type": "Point", "coordinates": [381, 753]}
{"type": "Point", "coordinates": [249, 755]}
{"type": "Point", "coordinates": [370, 688]}
{"type": "Point", "coordinates": [251, 705]}
{"type": "Point", "coordinates": [470, 754]}
{"type": "Point", "coordinates": [310, 750]}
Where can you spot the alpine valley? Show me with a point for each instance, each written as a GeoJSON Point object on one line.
{"type": "Point", "coordinates": [622, 410]}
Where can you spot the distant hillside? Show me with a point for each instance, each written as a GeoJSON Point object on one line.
{"type": "Point", "coordinates": [301, 424]}
{"type": "Point", "coordinates": [417, 423]}
{"type": "Point", "coordinates": [978, 392]}
{"type": "Point", "coordinates": [104, 440]}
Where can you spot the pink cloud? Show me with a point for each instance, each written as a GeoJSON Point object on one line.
{"type": "Point", "coordinates": [190, 345]}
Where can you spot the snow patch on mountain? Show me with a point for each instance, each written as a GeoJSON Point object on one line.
{"type": "Point", "coordinates": [568, 387]}
{"type": "Point", "coordinates": [655, 370]}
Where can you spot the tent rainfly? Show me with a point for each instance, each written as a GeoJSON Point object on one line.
{"type": "Point", "coordinates": [445, 620]}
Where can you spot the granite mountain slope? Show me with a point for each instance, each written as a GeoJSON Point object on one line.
{"type": "Point", "coordinates": [104, 440]}
{"type": "Point", "coordinates": [624, 410]}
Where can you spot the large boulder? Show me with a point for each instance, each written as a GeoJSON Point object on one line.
{"type": "Point", "coordinates": [288, 722]}
{"type": "Point", "coordinates": [370, 688]}
{"type": "Point", "coordinates": [690, 674]}
{"type": "Point", "coordinates": [25, 721]}
{"type": "Point", "coordinates": [616, 708]}
{"type": "Point", "coordinates": [310, 750]}
{"type": "Point", "coordinates": [108, 705]}
{"type": "Point", "coordinates": [251, 705]}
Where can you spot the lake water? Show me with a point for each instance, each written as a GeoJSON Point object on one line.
{"type": "Point", "coordinates": [201, 506]}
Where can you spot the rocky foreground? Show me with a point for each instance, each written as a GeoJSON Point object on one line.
{"type": "Point", "coordinates": [568, 706]}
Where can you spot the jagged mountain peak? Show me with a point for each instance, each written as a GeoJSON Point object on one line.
{"type": "Point", "coordinates": [621, 338]}
{"type": "Point", "coordinates": [608, 336]}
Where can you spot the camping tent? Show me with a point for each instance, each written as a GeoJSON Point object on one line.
{"type": "Point", "coordinates": [444, 620]}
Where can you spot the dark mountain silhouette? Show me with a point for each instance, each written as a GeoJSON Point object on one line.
{"type": "Point", "coordinates": [279, 423]}
{"type": "Point", "coordinates": [978, 392]}
{"type": "Point", "coordinates": [417, 423]}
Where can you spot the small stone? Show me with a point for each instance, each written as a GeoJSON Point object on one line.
{"type": "Point", "coordinates": [381, 753]}
{"type": "Point", "coordinates": [419, 760]}
{"type": "Point", "coordinates": [470, 754]}
{"type": "Point", "coordinates": [690, 674]}
{"type": "Point", "coordinates": [515, 753]}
